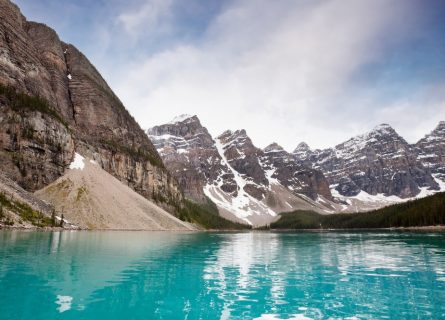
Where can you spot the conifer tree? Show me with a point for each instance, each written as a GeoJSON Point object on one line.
{"type": "Point", "coordinates": [53, 218]}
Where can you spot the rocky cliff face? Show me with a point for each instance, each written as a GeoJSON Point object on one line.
{"type": "Point", "coordinates": [378, 162]}
{"type": "Point", "coordinates": [76, 110]}
{"type": "Point", "coordinates": [247, 184]}
{"type": "Point", "coordinates": [431, 151]}
{"type": "Point", "coordinates": [242, 156]}
{"type": "Point", "coordinates": [299, 178]}
{"type": "Point", "coordinates": [190, 154]}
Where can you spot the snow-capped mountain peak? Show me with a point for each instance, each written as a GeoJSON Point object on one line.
{"type": "Point", "coordinates": [302, 146]}
{"type": "Point", "coordinates": [383, 127]}
{"type": "Point", "coordinates": [379, 161]}
{"type": "Point", "coordinates": [302, 152]}
{"type": "Point", "coordinates": [182, 118]}
{"type": "Point", "coordinates": [273, 147]}
{"type": "Point", "coordinates": [438, 134]}
{"type": "Point", "coordinates": [252, 185]}
{"type": "Point", "coordinates": [431, 151]}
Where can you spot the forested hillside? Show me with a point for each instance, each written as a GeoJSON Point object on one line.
{"type": "Point", "coordinates": [429, 211]}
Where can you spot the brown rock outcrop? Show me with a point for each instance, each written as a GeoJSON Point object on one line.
{"type": "Point", "coordinates": [81, 113]}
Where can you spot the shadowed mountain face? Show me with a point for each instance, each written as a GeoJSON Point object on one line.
{"type": "Point", "coordinates": [75, 111]}
{"type": "Point", "coordinates": [378, 162]}
{"type": "Point", "coordinates": [240, 178]}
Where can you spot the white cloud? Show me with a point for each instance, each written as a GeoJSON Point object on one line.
{"type": "Point", "coordinates": [280, 69]}
{"type": "Point", "coordinates": [146, 17]}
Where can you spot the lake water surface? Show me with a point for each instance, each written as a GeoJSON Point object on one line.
{"type": "Point", "coordinates": [142, 275]}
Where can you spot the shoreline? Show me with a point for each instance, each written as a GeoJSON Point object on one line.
{"type": "Point", "coordinates": [438, 228]}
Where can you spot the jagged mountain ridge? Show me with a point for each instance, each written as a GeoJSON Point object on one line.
{"type": "Point", "coordinates": [247, 184]}
{"type": "Point", "coordinates": [368, 171]}
{"type": "Point", "coordinates": [54, 102]}
{"type": "Point", "coordinates": [377, 162]}
{"type": "Point", "coordinates": [293, 175]}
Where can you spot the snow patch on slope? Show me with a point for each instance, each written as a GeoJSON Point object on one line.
{"type": "Point", "coordinates": [78, 162]}
{"type": "Point", "coordinates": [180, 118]}
{"type": "Point", "coordinates": [440, 182]}
{"type": "Point", "coordinates": [269, 171]}
{"type": "Point", "coordinates": [243, 205]}
{"type": "Point", "coordinates": [349, 148]}
{"type": "Point", "coordinates": [366, 197]}
{"type": "Point", "coordinates": [380, 200]}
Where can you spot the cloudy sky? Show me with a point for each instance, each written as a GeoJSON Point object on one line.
{"type": "Point", "coordinates": [318, 71]}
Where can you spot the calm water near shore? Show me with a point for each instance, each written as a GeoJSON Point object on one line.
{"type": "Point", "coordinates": [257, 275]}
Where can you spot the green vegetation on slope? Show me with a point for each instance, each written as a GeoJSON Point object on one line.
{"type": "Point", "coordinates": [207, 216]}
{"type": "Point", "coordinates": [298, 220]}
{"type": "Point", "coordinates": [427, 211]}
{"type": "Point", "coordinates": [24, 211]}
{"type": "Point", "coordinates": [21, 102]}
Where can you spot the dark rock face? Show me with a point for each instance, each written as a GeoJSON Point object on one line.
{"type": "Point", "coordinates": [89, 116]}
{"type": "Point", "coordinates": [303, 151]}
{"type": "Point", "coordinates": [431, 151]}
{"type": "Point", "coordinates": [35, 149]}
{"type": "Point", "coordinates": [243, 157]}
{"type": "Point", "coordinates": [190, 154]}
{"type": "Point", "coordinates": [293, 175]}
{"type": "Point", "coordinates": [379, 161]}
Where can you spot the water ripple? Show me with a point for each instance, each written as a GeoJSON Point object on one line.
{"type": "Point", "coordinates": [117, 275]}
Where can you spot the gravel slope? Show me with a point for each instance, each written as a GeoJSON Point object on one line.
{"type": "Point", "coordinates": [91, 198]}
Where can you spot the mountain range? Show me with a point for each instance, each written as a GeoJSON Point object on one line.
{"type": "Point", "coordinates": [254, 185]}
{"type": "Point", "coordinates": [71, 152]}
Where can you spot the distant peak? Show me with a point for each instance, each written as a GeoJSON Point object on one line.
{"type": "Point", "coordinates": [182, 118]}
{"type": "Point", "coordinates": [382, 131]}
{"type": "Point", "coordinates": [226, 133]}
{"type": "Point", "coordinates": [273, 147]}
{"type": "Point", "coordinates": [303, 146]}
{"type": "Point", "coordinates": [233, 134]}
{"type": "Point", "coordinates": [440, 128]}
{"type": "Point", "coordinates": [383, 126]}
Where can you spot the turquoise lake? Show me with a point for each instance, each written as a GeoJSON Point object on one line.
{"type": "Point", "coordinates": [256, 275]}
